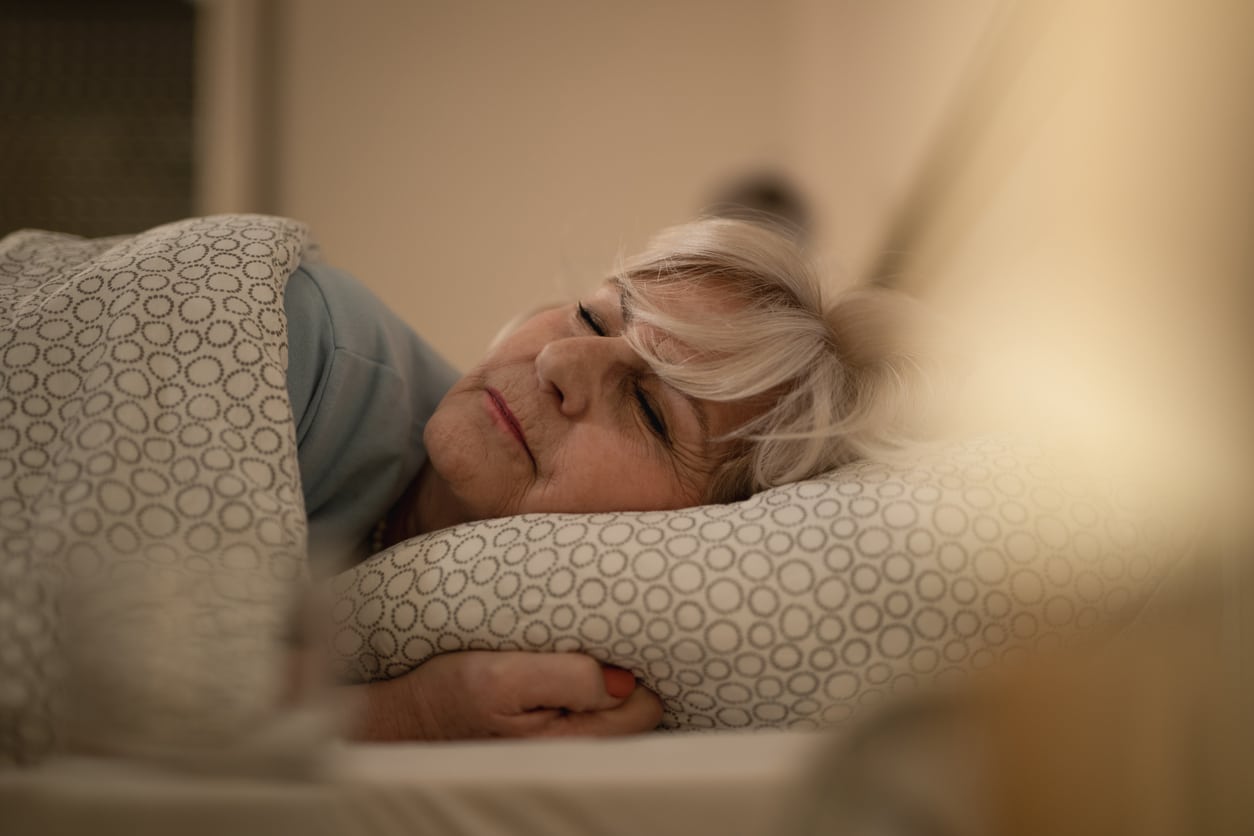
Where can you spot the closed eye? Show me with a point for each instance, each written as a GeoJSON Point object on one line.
{"type": "Point", "coordinates": [591, 320]}
{"type": "Point", "coordinates": [649, 411]}
{"type": "Point", "coordinates": [651, 414]}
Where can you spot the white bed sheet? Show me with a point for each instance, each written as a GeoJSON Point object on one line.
{"type": "Point", "coordinates": [727, 784]}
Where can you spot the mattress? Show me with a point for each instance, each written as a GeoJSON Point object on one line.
{"type": "Point", "coordinates": [726, 783]}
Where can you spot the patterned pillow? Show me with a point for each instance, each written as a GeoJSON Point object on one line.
{"type": "Point", "coordinates": [789, 609]}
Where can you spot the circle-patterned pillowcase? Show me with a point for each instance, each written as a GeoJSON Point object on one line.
{"type": "Point", "coordinates": [152, 530]}
{"type": "Point", "coordinates": [789, 609]}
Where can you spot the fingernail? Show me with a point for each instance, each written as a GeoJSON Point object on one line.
{"type": "Point", "coordinates": [618, 682]}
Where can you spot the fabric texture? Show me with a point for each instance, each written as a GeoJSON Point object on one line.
{"type": "Point", "coordinates": [362, 386]}
{"type": "Point", "coordinates": [152, 531]}
{"type": "Point", "coordinates": [790, 609]}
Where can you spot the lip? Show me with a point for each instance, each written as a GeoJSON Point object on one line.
{"type": "Point", "coordinates": [506, 419]}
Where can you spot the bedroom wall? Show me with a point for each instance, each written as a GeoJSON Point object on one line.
{"type": "Point", "coordinates": [469, 160]}
{"type": "Point", "coordinates": [870, 84]}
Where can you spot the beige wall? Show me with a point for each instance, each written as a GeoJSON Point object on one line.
{"type": "Point", "coordinates": [869, 85]}
{"type": "Point", "coordinates": [469, 160]}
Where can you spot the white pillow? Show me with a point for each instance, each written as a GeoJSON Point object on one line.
{"type": "Point", "coordinates": [789, 609]}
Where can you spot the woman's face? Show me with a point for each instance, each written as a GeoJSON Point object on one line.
{"type": "Point", "coordinates": [563, 416]}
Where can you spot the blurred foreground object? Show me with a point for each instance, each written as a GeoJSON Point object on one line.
{"type": "Point", "coordinates": [1086, 215]}
{"type": "Point", "coordinates": [1149, 733]}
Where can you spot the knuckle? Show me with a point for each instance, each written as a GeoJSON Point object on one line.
{"type": "Point", "coordinates": [584, 666]}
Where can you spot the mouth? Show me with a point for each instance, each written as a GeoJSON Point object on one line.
{"type": "Point", "coordinates": [505, 419]}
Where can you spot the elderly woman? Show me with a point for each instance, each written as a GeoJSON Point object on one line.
{"type": "Point", "coordinates": [709, 367]}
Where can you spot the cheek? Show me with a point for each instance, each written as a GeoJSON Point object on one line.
{"type": "Point", "coordinates": [453, 439]}
{"type": "Point", "coordinates": [475, 468]}
{"type": "Point", "coordinates": [435, 435]}
{"type": "Point", "coordinates": [599, 475]}
{"type": "Point", "coordinates": [444, 440]}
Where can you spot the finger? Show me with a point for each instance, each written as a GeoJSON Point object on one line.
{"type": "Point", "coordinates": [570, 681]}
{"type": "Point", "coordinates": [639, 713]}
{"type": "Point", "coordinates": [618, 682]}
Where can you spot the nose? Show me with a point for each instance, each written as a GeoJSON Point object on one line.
{"type": "Point", "coordinates": [578, 370]}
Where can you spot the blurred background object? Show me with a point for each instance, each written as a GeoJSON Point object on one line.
{"type": "Point", "coordinates": [96, 104]}
{"type": "Point", "coordinates": [767, 198]}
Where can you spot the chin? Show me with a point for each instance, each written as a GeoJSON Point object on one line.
{"type": "Point", "coordinates": [465, 471]}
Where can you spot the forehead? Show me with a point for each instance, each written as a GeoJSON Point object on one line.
{"type": "Point", "coordinates": [683, 304]}
{"type": "Point", "coordinates": [685, 299]}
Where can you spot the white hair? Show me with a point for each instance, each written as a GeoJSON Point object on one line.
{"type": "Point", "coordinates": [838, 378]}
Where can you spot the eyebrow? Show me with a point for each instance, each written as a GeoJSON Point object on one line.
{"type": "Point", "coordinates": [623, 307]}
{"type": "Point", "coordinates": [703, 417]}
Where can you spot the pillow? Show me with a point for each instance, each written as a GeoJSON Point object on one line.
{"type": "Point", "coordinates": [790, 609]}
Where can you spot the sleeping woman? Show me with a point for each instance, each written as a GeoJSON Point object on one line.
{"type": "Point", "coordinates": [709, 367]}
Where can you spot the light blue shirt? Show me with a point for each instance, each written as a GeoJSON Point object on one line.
{"type": "Point", "coordinates": [362, 386]}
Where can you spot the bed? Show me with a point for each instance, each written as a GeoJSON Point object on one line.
{"type": "Point", "coordinates": [733, 783]}
{"type": "Point", "coordinates": [152, 542]}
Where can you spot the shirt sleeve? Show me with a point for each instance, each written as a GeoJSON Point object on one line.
{"type": "Point", "coordinates": [362, 386]}
{"type": "Point", "coordinates": [310, 342]}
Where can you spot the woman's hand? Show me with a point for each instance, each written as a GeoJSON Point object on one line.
{"type": "Point", "coordinates": [506, 694]}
